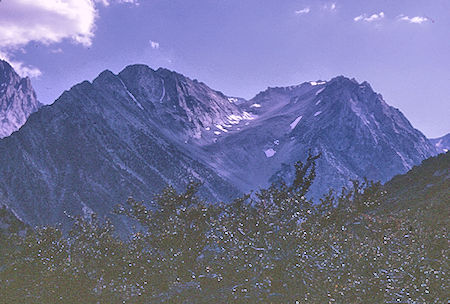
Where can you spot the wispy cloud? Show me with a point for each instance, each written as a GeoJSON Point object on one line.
{"type": "Point", "coordinates": [104, 2]}
{"type": "Point", "coordinates": [303, 11]}
{"type": "Point", "coordinates": [330, 7]}
{"type": "Point", "coordinates": [154, 44]}
{"type": "Point", "coordinates": [108, 2]}
{"type": "Point", "coordinates": [56, 51]}
{"type": "Point", "coordinates": [415, 20]}
{"type": "Point", "coordinates": [371, 18]}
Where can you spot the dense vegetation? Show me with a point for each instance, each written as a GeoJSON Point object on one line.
{"type": "Point", "coordinates": [273, 246]}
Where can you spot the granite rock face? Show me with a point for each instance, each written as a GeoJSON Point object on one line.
{"type": "Point", "coordinates": [133, 133]}
{"type": "Point", "coordinates": [17, 100]}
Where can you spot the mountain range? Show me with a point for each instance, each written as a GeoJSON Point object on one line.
{"type": "Point", "coordinates": [133, 133]}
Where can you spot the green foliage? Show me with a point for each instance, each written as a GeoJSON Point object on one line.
{"type": "Point", "coordinates": [273, 246]}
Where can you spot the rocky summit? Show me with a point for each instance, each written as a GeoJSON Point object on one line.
{"type": "Point", "coordinates": [101, 142]}
{"type": "Point", "coordinates": [17, 100]}
{"type": "Point", "coordinates": [357, 133]}
{"type": "Point", "coordinates": [133, 133]}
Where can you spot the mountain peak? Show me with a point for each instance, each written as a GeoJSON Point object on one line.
{"type": "Point", "coordinates": [343, 81]}
{"type": "Point", "coordinates": [17, 99]}
{"type": "Point", "coordinates": [137, 69]}
{"type": "Point", "coordinates": [7, 73]}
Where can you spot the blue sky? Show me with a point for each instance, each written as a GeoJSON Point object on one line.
{"type": "Point", "coordinates": [240, 47]}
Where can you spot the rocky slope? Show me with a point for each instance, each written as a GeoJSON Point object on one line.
{"type": "Point", "coordinates": [357, 133]}
{"type": "Point", "coordinates": [424, 184]}
{"type": "Point", "coordinates": [442, 144]}
{"type": "Point", "coordinates": [17, 100]}
{"type": "Point", "coordinates": [103, 141]}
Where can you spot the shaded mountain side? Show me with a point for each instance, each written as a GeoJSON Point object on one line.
{"type": "Point", "coordinates": [9, 222]}
{"type": "Point", "coordinates": [17, 100]}
{"type": "Point", "coordinates": [424, 184]}
{"type": "Point", "coordinates": [92, 149]}
{"type": "Point", "coordinates": [274, 247]}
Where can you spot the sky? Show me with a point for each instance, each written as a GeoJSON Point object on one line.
{"type": "Point", "coordinates": [241, 47]}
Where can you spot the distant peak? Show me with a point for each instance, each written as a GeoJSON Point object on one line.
{"type": "Point", "coordinates": [343, 79]}
{"type": "Point", "coordinates": [366, 84]}
{"type": "Point", "coordinates": [137, 68]}
{"type": "Point", "coordinates": [7, 73]}
{"type": "Point", "coordinates": [4, 65]}
{"type": "Point", "coordinates": [105, 76]}
{"type": "Point", "coordinates": [106, 73]}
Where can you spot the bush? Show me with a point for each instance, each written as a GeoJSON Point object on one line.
{"type": "Point", "coordinates": [273, 246]}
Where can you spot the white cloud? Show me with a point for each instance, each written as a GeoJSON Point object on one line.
{"type": "Point", "coordinates": [416, 19]}
{"type": "Point", "coordinates": [108, 2]}
{"type": "Point", "coordinates": [304, 11]}
{"type": "Point", "coordinates": [46, 21]}
{"type": "Point", "coordinates": [371, 18]}
{"type": "Point", "coordinates": [135, 2]}
{"type": "Point", "coordinates": [49, 21]}
{"type": "Point", "coordinates": [104, 2]}
{"type": "Point", "coordinates": [154, 44]}
{"type": "Point", "coordinates": [22, 69]}
{"type": "Point", "coordinates": [330, 6]}
{"type": "Point", "coordinates": [56, 51]}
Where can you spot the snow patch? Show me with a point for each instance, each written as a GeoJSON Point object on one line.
{"type": "Point", "coordinates": [270, 152]}
{"type": "Point", "coordinates": [405, 163]}
{"type": "Point", "coordinates": [295, 122]}
{"type": "Point", "coordinates": [163, 91]}
{"type": "Point", "coordinates": [314, 83]}
{"type": "Point", "coordinates": [276, 142]}
{"type": "Point", "coordinates": [207, 128]}
{"type": "Point", "coordinates": [248, 116]}
{"type": "Point", "coordinates": [255, 105]}
{"type": "Point", "coordinates": [131, 95]}
{"type": "Point", "coordinates": [319, 91]}
{"type": "Point", "coordinates": [317, 113]}
{"type": "Point", "coordinates": [232, 99]}
{"type": "Point", "coordinates": [319, 101]}
{"type": "Point", "coordinates": [235, 119]}
{"type": "Point", "coordinates": [221, 128]}
{"type": "Point", "coordinates": [217, 132]}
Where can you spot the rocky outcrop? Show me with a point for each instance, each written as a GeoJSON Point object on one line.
{"type": "Point", "coordinates": [17, 100]}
